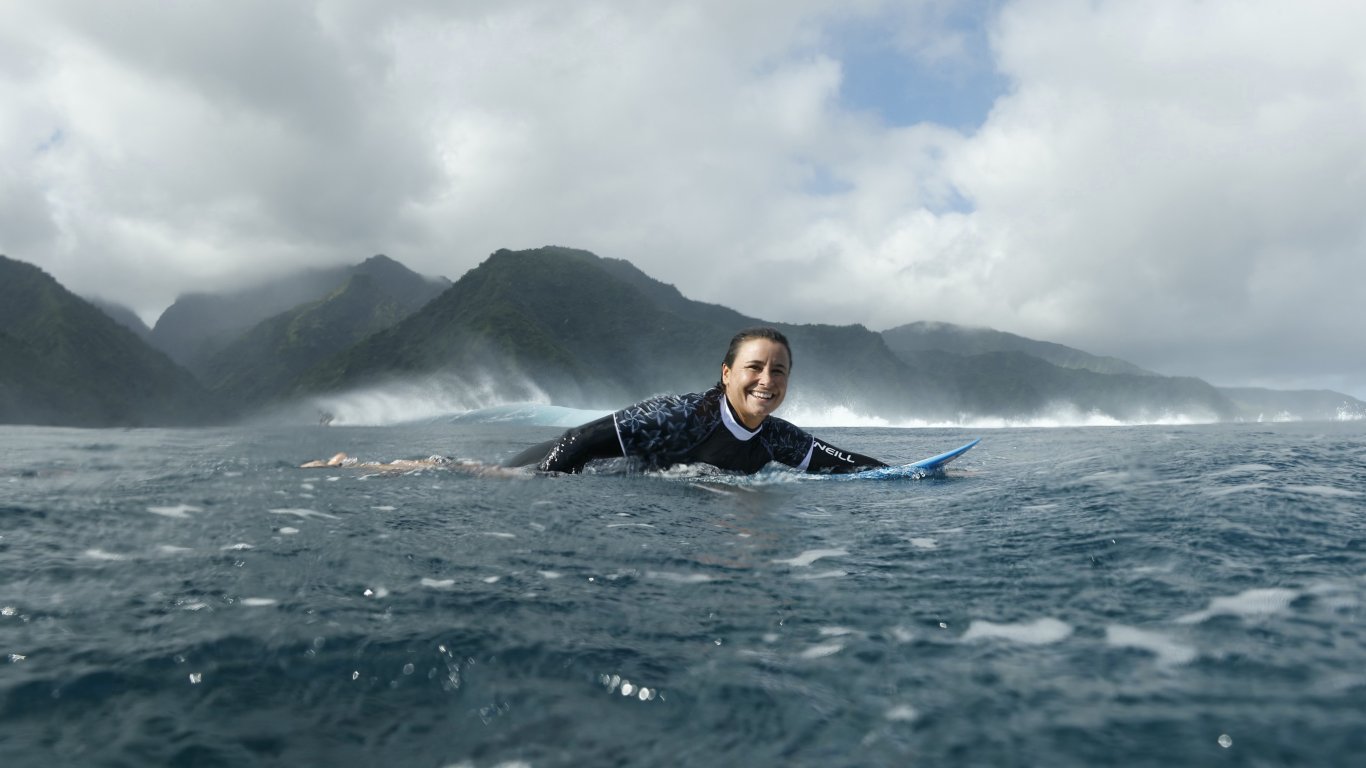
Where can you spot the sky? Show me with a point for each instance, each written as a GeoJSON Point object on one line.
{"type": "Point", "coordinates": [1175, 182]}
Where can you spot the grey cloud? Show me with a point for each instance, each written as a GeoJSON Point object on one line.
{"type": "Point", "coordinates": [1179, 189]}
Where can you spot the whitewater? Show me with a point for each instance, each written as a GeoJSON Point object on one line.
{"type": "Point", "coordinates": [1166, 594]}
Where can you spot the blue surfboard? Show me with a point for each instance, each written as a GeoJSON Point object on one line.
{"type": "Point", "coordinates": [924, 467]}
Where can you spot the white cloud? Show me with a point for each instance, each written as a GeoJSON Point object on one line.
{"type": "Point", "coordinates": [1176, 181]}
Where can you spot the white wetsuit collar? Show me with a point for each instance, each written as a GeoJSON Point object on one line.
{"type": "Point", "coordinates": [732, 423]}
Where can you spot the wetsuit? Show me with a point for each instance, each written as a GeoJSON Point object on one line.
{"type": "Point", "coordinates": [690, 429]}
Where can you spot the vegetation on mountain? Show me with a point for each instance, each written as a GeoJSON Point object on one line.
{"type": "Point", "coordinates": [962, 340]}
{"type": "Point", "coordinates": [200, 325]}
{"type": "Point", "coordinates": [263, 363]}
{"type": "Point", "coordinates": [584, 330]}
{"type": "Point", "coordinates": [124, 317]}
{"type": "Point", "coordinates": [65, 362]}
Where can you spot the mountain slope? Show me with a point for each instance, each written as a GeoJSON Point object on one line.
{"type": "Point", "coordinates": [962, 340]}
{"type": "Point", "coordinates": [553, 316]}
{"type": "Point", "coordinates": [65, 362]}
{"type": "Point", "coordinates": [199, 325]}
{"type": "Point", "coordinates": [124, 317]}
{"type": "Point", "coordinates": [261, 364]}
{"type": "Point", "coordinates": [599, 333]}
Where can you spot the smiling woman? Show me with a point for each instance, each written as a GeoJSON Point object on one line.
{"type": "Point", "coordinates": [730, 426]}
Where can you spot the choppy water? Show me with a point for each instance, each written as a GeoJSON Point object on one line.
{"type": "Point", "coordinates": [1117, 596]}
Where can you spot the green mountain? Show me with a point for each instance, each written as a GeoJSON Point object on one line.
{"type": "Point", "coordinates": [200, 325]}
{"type": "Point", "coordinates": [123, 316]}
{"type": "Point", "coordinates": [583, 330]}
{"type": "Point", "coordinates": [961, 340]}
{"type": "Point", "coordinates": [263, 362]}
{"type": "Point", "coordinates": [1016, 385]}
{"type": "Point", "coordinates": [599, 333]}
{"type": "Point", "coordinates": [64, 362]}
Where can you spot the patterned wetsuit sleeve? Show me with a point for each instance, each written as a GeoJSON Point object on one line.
{"type": "Point", "coordinates": [788, 443]}
{"type": "Point", "coordinates": [580, 445]}
{"type": "Point", "coordinates": [827, 458]}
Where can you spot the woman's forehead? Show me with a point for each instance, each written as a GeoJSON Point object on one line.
{"type": "Point", "coordinates": [765, 350]}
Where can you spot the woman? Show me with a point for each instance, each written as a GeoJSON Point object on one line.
{"type": "Point", "coordinates": [729, 426]}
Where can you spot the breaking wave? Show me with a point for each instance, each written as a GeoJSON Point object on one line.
{"type": "Point", "coordinates": [439, 396]}
{"type": "Point", "coordinates": [453, 400]}
{"type": "Point", "coordinates": [1061, 415]}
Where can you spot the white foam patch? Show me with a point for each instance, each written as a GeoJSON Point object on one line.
{"type": "Point", "coordinates": [921, 542]}
{"type": "Point", "coordinates": [1253, 602]}
{"type": "Point", "coordinates": [303, 513]}
{"type": "Point", "coordinates": [498, 534]}
{"type": "Point", "coordinates": [179, 510]}
{"type": "Point", "coordinates": [288, 530]}
{"type": "Point", "coordinates": [551, 574]}
{"type": "Point", "coordinates": [1038, 632]}
{"type": "Point", "coordinates": [384, 508]}
{"type": "Point", "coordinates": [629, 525]}
{"type": "Point", "coordinates": [903, 713]}
{"type": "Point", "coordinates": [1167, 650]}
{"type": "Point", "coordinates": [171, 549]}
{"type": "Point", "coordinates": [96, 553]}
{"type": "Point", "coordinates": [240, 546]}
{"type": "Point", "coordinates": [680, 578]}
{"type": "Point", "coordinates": [836, 631]}
{"type": "Point", "coordinates": [810, 556]}
{"type": "Point", "coordinates": [438, 583]}
{"type": "Point", "coordinates": [258, 602]}
{"type": "Point", "coordinates": [491, 579]}
{"type": "Point", "coordinates": [1323, 490]}
{"type": "Point", "coordinates": [1229, 490]}
{"type": "Point", "coordinates": [822, 650]}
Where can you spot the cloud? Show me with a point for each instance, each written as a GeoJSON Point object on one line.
{"type": "Point", "coordinates": [1174, 183]}
{"type": "Point", "coordinates": [1184, 189]}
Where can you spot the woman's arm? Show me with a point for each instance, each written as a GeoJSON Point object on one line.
{"type": "Point", "coordinates": [575, 448]}
{"type": "Point", "coordinates": [827, 458]}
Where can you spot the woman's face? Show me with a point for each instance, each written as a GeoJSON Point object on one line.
{"type": "Point", "coordinates": [757, 383]}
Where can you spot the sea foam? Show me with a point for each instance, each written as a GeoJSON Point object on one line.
{"type": "Point", "coordinates": [1038, 632]}
{"type": "Point", "coordinates": [1253, 602]}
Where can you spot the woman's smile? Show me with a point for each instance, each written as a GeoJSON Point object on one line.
{"type": "Point", "coordinates": [757, 383]}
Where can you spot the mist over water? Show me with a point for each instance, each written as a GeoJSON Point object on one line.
{"type": "Point", "coordinates": [426, 398]}
{"type": "Point", "coordinates": [484, 397]}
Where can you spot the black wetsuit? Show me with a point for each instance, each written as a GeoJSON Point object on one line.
{"type": "Point", "coordinates": [698, 428]}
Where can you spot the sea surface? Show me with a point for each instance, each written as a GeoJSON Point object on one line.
{"type": "Point", "coordinates": [1117, 596]}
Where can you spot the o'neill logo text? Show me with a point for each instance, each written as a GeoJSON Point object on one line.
{"type": "Point", "coordinates": [834, 452]}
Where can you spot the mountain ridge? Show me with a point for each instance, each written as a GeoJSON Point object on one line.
{"type": "Point", "coordinates": [67, 363]}
{"type": "Point", "coordinates": [580, 329]}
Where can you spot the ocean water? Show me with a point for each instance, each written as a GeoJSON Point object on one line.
{"type": "Point", "coordinates": [1127, 596]}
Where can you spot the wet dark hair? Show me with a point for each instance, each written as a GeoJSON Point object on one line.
{"type": "Point", "coordinates": [757, 332]}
